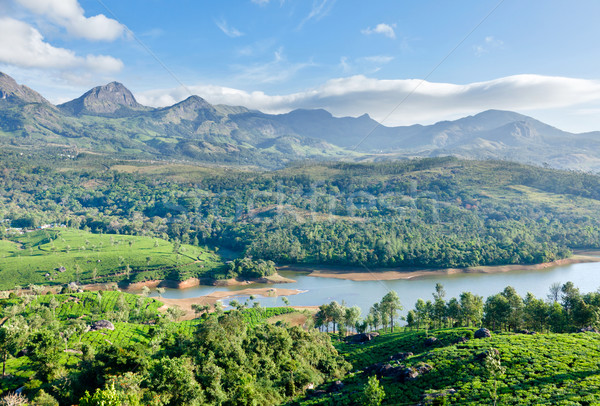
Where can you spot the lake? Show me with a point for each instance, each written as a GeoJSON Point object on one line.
{"type": "Point", "coordinates": [317, 291]}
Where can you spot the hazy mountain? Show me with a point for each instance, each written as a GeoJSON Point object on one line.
{"type": "Point", "coordinates": [108, 120]}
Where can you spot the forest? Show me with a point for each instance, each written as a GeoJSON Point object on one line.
{"type": "Point", "coordinates": [432, 213]}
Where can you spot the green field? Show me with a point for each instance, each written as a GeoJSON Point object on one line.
{"type": "Point", "coordinates": [540, 369]}
{"type": "Point", "coordinates": [37, 257]}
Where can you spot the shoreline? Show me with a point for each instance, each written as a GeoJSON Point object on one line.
{"type": "Point", "coordinates": [356, 274]}
{"type": "Point", "coordinates": [388, 274]}
{"type": "Point", "coordinates": [212, 298]}
{"type": "Point", "coordinates": [189, 283]}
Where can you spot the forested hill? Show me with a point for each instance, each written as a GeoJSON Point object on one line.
{"type": "Point", "coordinates": [440, 212]}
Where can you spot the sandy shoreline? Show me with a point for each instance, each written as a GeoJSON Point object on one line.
{"type": "Point", "coordinates": [211, 299]}
{"type": "Point", "coordinates": [193, 282]}
{"type": "Point", "coordinates": [387, 274]}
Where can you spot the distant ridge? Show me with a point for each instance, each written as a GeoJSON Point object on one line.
{"type": "Point", "coordinates": [108, 120]}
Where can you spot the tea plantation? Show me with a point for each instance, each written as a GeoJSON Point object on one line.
{"type": "Point", "coordinates": [63, 255]}
{"type": "Point", "coordinates": [540, 369]}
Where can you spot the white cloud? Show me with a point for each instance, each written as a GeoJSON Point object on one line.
{"type": "Point", "coordinates": [378, 59]}
{"type": "Point", "coordinates": [279, 69]}
{"type": "Point", "coordinates": [24, 46]}
{"type": "Point", "coordinates": [382, 28]}
{"type": "Point", "coordinates": [70, 15]}
{"type": "Point", "coordinates": [489, 43]}
{"type": "Point", "coordinates": [364, 65]}
{"type": "Point", "coordinates": [261, 2]}
{"type": "Point", "coordinates": [319, 9]}
{"type": "Point", "coordinates": [427, 102]}
{"type": "Point", "coordinates": [229, 31]}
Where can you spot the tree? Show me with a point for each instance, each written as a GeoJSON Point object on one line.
{"type": "Point", "coordinates": [175, 313]}
{"type": "Point", "coordinates": [390, 305]}
{"type": "Point", "coordinates": [336, 313]}
{"type": "Point", "coordinates": [173, 379]}
{"type": "Point", "coordinates": [554, 293]}
{"type": "Point", "coordinates": [439, 305]}
{"type": "Point", "coordinates": [497, 311]}
{"type": "Point", "coordinates": [373, 393]}
{"type": "Point", "coordinates": [536, 313]}
{"type": "Point", "coordinates": [454, 311]}
{"type": "Point", "coordinates": [44, 352]}
{"type": "Point", "coordinates": [145, 290]}
{"type": "Point", "coordinates": [12, 338]}
{"type": "Point", "coordinates": [375, 314]}
{"type": "Point", "coordinates": [423, 316]}
{"type": "Point", "coordinates": [515, 317]}
{"type": "Point", "coordinates": [199, 309]}
{"type": "Point", "coordinates": [411, 319]}
{"type": "Point", "coordinates": [102, 397]}
{"type": "Point", "coordinates": [471, 309]}
{"type": "Point", "coordinates": [351, 316]}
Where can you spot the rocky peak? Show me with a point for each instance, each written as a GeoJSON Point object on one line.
{"type": "Point", "coordinates": [103, 100]}
{"type": "Point", "coordinates": [10, 90]}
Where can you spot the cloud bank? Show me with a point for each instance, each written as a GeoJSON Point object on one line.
{"type": "Point", "coordinates": [402, 101]}
{"type": "Point", "coordinates": [70, 15]}
{"type": "Point", "coordinates": [24, 46]}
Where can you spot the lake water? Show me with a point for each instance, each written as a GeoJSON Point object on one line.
{"type": "Point", "coordinates": [324, 290]}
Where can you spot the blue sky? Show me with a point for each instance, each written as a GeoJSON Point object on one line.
{"type": "Point", "coordinates": [402, 62]}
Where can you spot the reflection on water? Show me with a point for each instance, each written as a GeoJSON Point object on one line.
{"type": "Point", "coordinates": [364, 294]}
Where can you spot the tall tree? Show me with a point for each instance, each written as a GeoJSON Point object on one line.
{"type": "Point", "coordinates": [390, 305]}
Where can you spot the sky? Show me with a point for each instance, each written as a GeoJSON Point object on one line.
{"type": "Point", "coordinates": [402, 62]}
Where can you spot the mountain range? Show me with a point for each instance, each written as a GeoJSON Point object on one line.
{"type": "Point", "coordinates": [108, 120]}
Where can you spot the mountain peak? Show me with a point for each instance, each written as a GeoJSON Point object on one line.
{"type": "Point", "coordinates": [10, 90]}
{"type": "Point", "coordinates": [103, 100]}
{"type": "Point", "coordinates": [193, 108]}
{"type": "Point", "coordinates": [195, 102]}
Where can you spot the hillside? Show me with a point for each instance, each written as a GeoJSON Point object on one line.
{"type": "Point", "coordinates": [541, 369]}
{"type": "Point", "coordinates": [108, 120]}
{"type": "Point", "coordinates": [62, 255]}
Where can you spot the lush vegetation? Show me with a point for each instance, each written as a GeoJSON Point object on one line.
{"type": "Point", "coordinates": [419, 213]}
{"type": "Point", "coordinates": [47, 345]}
{"type": "Point", "coordinates": [123, 221]}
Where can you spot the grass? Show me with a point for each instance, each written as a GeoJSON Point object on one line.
{"type": "Point", "coordinates": [37, 257]}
